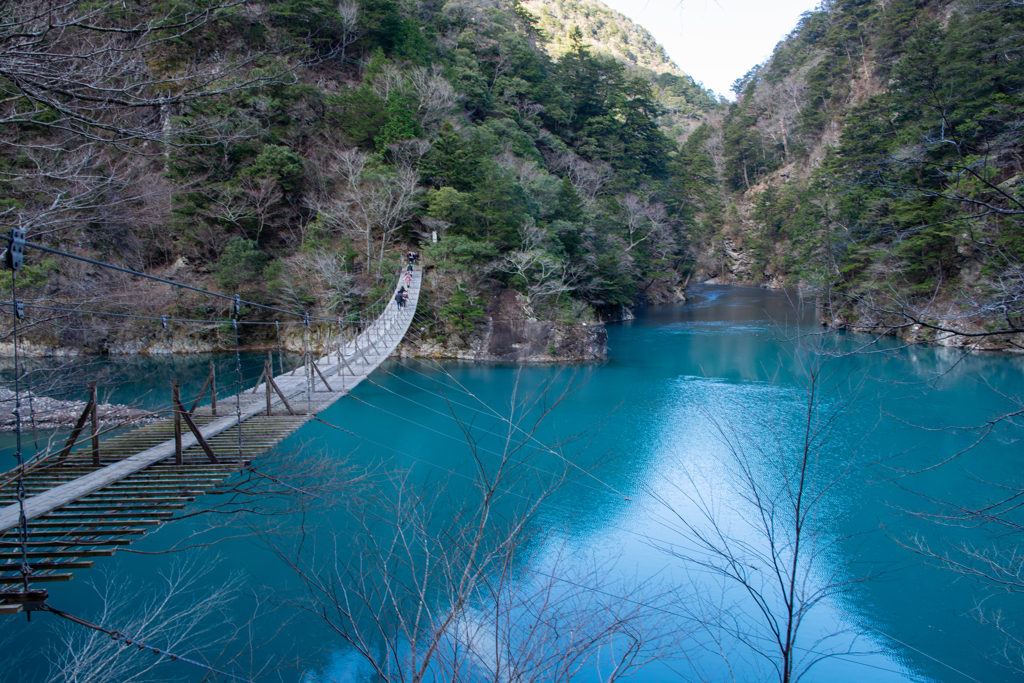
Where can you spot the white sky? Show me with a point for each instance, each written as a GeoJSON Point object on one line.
{"type": "Point", "coordinates": [716, 41]}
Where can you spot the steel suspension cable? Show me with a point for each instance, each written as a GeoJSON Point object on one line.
{"type": "Point", "coordinates": [162, 318]}
{"type": "Point", "coordinates": [238, 392]}
{"type": "Point", "coordinates": [129, 271]}
{"type": "Point", "coordinates": [121, 638]}
{"type": "Point", "coordinates": [280, 353]}
{"type": "Point", "coordinates": [22, 520]}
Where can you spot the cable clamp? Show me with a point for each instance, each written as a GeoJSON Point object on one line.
{"type": "Point", "coordinates": [238, 304]}
{"type": "Point", "coordinates": [163, 321]}
{"type": "Point", "coordinates": [19, 309]}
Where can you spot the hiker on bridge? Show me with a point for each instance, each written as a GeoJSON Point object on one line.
{"type": "Point", "coordinates": [400, 298]}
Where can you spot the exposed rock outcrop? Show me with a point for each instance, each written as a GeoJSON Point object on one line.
{"type": "Point", "coordinates": [512, 335]}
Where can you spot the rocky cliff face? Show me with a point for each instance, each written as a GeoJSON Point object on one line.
{"type": "Point", "coordinates": [511, 335]}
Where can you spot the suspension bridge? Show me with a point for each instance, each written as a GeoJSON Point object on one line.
{"type": "Point", "coordinates": [61, 510]}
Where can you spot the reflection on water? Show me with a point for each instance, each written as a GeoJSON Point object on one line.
{"type": "Point", "coordinates": [728, 356]}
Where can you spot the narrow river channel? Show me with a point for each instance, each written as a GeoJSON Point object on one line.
{"type": "Point", "coordinates": [681, 383]}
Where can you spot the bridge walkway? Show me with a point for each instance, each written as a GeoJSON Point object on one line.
{"type": "Point", "coordinates": [77, 511]}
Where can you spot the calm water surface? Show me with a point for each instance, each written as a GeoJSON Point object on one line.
{"type": "Point", "coordinates": [672, 375]}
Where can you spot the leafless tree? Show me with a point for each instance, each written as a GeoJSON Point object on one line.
{"type": "Point", "coordinates": [349, 13]}
{"type": "Point", "coordinates": [181, 614]}
{"type": "Point", "coordinates": [440, 581]}
{"type": "Point", "coordinates": [322, 276]}
{"type": "Point", "coordinates": [408, 154]}
{"type": "Point", "coordinates": [86, 67]}
{"type": "Point", "coordinates": [773, 543]}
{"type": "Point", "coordinates": [388, 80]}
{"type": "Point", "coordinates": [545, 276]}
{"type": "Point", "coordinates": [587, 177]}
{"type": "Point", "coordinates": [371, 207]}
{"type": "Point", "coordinates": [780, 104]}
{"type": "Point", "coordinates": [261, 195]}
{"type": "Point", "coordinates": [642, 220]}
{"type": "Point", "coordinates": [526, 169]}
{"type": "Point", "coordinates": [435, 97]}
{"type": "Point", "coordinates": [82, 78]}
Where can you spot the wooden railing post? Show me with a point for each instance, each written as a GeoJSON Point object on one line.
{"type": "Point", "coordinates": [202, 392]}
{"type": "Point", "coordinates": [79, 426]}
{"type": "Point", "coordinates": [181, 414]}
{"type": "Point", "coordinates": [95, 426]}
{"type": "Point", "coordinates": [213, 390]}
{"type": "Point", "coordinates": [267, 370]}
{"type": "Point", "coordinates": [280, 393]}
{"type": "Point", "coordinates": [322, 378]}
{"type": "Point", "coordinates": [176, 400]}
{"type": "Point", "coordinates": [305, 356]}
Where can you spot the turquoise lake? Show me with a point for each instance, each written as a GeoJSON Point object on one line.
{"type": "Point", "coordinates": [680, 384]}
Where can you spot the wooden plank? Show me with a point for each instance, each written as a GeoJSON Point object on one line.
{"type": "Point", "coordinates": [36, 578]}
{"type": "Point", "coordinates": [129, 497]}
{"type": "Point", "coordinates": [88, 526]}
{"type": "Point", "coordinates": [115, 504]}
{"type": "Point", "coordinates": [199, 437]}
{"type": "Point", "coordinates": [40, 566]}
{"type": "Point", "coordinates": [107, 514]}
{"type": "Point", "coordinates": [74, 543]}
{"type": "Point", "coordinates": [163, 479]}
{"type": "Point", "coordinates": [57, 553]}
{"type": "Point", "coordinates": [94, 421]}
{"type": "Point", "coordinates": [201, 392]}
{"type": "Point", "coordinates": [76, 537]}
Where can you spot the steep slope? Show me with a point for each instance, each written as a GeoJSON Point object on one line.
{"type": "Point", "coordinates": [604, 29]}
{"type": "Point", "coordinates": [339, 136]}
{"type": "Point", "coordinates": [607, 32]}
{"type": "Point", "coordinates": [875, 156]}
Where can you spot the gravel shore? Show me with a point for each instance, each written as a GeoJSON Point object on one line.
{"type": "Point", "coordinates": [50, 413]}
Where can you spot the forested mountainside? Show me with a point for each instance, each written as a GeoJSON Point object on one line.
{"type": "Point", "coordinates": [607, 32]}
{"type": "Point", "coordinates": [604, 29]}
{"type": "Point", "coordinates": [877, 156]}
{"type": "Point", "coordinates": [291, 150]}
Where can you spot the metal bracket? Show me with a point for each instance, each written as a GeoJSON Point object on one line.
{"type": "Point", "coordinates": [163, 321]}
{"type": "Point", "coordinates": [19, 309]}
{"type": "Point", "coordinates": [238, 304]}
{"type": "Point", "coordinates": [15, 254]}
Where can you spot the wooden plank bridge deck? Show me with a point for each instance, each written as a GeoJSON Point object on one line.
{"type": "Point", "coordinates": [77, 511]}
